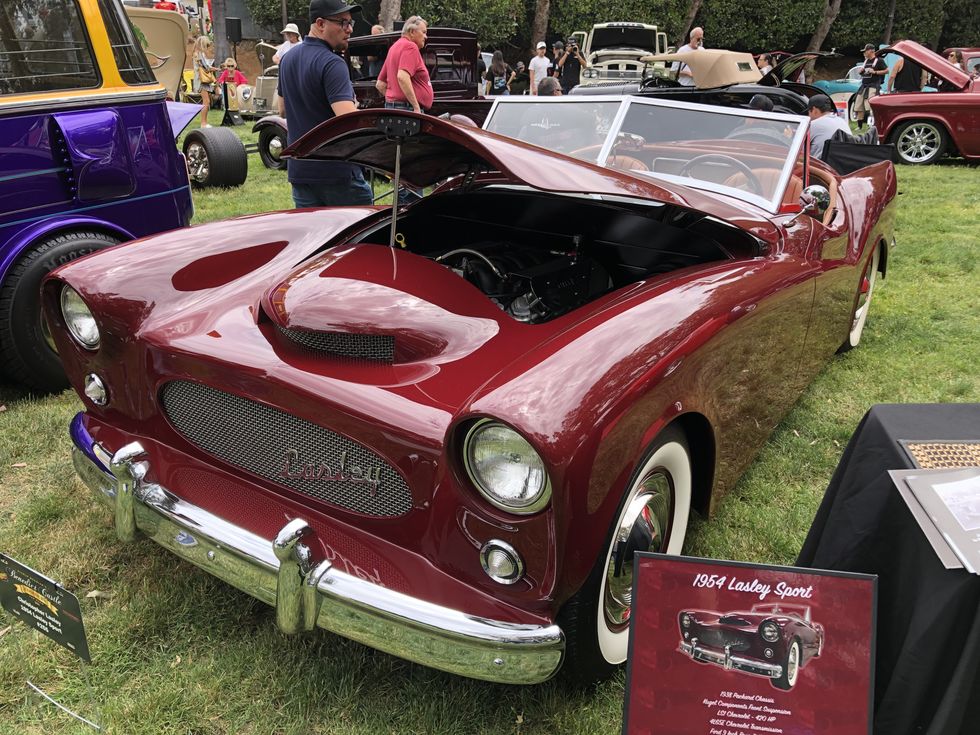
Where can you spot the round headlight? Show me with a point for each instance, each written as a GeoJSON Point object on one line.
{"type": "Point", "coordinates": [79, 319]}
{"type": "Point", "coordinates": [590, 73]}
{"type": "Point", "coordinates": [505, 468]}
{"type": "Point", "coordinates": [769, 631]}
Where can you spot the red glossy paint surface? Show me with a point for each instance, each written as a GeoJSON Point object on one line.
{"type": "Point", "coordinates": [958, 111]}
{"type": "Point", "coordinates": [729, 344]}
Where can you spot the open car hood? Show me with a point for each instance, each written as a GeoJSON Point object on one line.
{"type": "Point", "coordinates": [931, 62]}
{"type": "Point", "coordinates": [441, 149]}
{"type": "Point", "coordinates": [791, 65]}
{"type": "Point", "coordinates": [713, 68]}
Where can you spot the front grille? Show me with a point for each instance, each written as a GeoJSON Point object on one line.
{"type": "Point", "coordinates": [715, 638]}
{"type": "Point", "coordinates": [375, 347]}
{"type": "Point", "coordinates": [285, 450]}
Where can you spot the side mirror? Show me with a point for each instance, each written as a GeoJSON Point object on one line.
{"type": "Point", "coordinates": [815, 199]}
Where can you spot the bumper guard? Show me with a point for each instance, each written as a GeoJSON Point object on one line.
{"type": "Point", "coordinates": [728, 661]}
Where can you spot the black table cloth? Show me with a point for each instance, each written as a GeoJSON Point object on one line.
{"type": "Point", "coordinates": [927, 664]}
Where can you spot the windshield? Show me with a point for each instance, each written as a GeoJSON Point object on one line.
{"type": "Point", "coordinates": [624, 37]}
{"type": "Point", "coordinates": [743, 153]}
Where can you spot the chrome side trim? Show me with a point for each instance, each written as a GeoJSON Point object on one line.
{"type": "Point", "coordinates": [282, 574]}
{"type": "Point", "coordinates": [728, 661]}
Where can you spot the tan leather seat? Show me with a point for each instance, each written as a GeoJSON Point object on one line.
{"type": "Point", "coordinates": [626, 163]}
{"type": "Point", "coordinates": [768, 179]}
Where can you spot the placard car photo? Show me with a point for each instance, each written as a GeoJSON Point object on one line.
{"type": "Point", "coordinates": [772, 640]}
{"type": "Point", "coordinates": [444, 430]}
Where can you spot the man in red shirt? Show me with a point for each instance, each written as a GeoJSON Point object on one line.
{"type": "Point", "coordinates": [404, 80]}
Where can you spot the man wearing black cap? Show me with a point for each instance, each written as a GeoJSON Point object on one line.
{"type": "Point", "coordinates": [872, 75]}
{"type": "Point", "coordinates": [824, 122]}
{"type": "Point", "coordinates": [314, 85]}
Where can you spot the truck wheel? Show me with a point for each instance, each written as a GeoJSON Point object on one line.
{"type": "Point", "coordinates": [271, 142]}
{"type": "Point", "coordinates": [215, 157]}
{"type": "Point", "coordinates": [920, 142]}
{"type": "Point", "coordinates": [27, 352]}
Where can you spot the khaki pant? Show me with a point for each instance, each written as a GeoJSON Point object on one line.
{"type": "Point", "coordinates": [862, 108]}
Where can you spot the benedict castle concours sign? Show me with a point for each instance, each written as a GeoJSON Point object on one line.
{"type": "Point", "coordinates": [723, 648]}
{"type": "Point", "coordinates": [42, 604]}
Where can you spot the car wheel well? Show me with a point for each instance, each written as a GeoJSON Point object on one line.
{"type": "Point", "coordinates": [701, 446]}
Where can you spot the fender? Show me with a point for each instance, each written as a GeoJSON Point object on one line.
{"type": "Point", "coordinates": [270, 121]}
{"type": "Point", "coordinates": [902, 117]}
{"type": "Point", "coordinates": [31, 234]}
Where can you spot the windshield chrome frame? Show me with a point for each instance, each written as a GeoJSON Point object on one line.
{"type": "Point", "coordinates": [771, 205]}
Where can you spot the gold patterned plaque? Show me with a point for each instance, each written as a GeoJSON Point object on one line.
{"type": "Point", "coordinates": [929, 455]}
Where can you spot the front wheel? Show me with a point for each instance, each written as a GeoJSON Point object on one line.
{"type": "Point", "coordinates": [271, 142]}
{"type": "Point", "coordinates": [26, 347]}
{"type": "Point", "coordinates": [651, 517]}
{"type": "Point", "coordinates": [791, 668]}
{"type": "Point", "coordinates": [866, 289]}
{"type": "Point", "coordinates": [920, 142]}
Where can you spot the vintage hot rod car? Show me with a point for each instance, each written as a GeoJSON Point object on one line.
{"type": "Point", "coordinates": [922, 126]}
{"type": "Point", "coordinates": [772, 640]}
{"type": "Point", "coordinates": [444, 431]}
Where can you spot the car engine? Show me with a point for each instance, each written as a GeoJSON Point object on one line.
{"type": "Point", "coordinates": [532, 286]}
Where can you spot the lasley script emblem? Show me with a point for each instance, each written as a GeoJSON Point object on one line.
{"type": "Point", "coordinates": [340, 471]}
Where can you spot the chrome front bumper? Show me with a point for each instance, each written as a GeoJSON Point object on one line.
{"type": "Point", "coordinates": [307, 593]}
{"type": "Point", "coordinates": [728, 661]}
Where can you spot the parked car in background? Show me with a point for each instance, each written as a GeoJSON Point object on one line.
{"type": "Point", "coordinates": [614, 51]}
{"type": "Point", "coordinates": [925, 127]}
{"type": "Point", "coordinates": [444, 430]}
{"type": "Point", "coordinates": [450, 56]}
{"type": "Point", "coordinates": [89, 158]}
{"type": "Point", "coordinates": [724, 78]}
{"type": "Point", "coordinates": [772, 640]}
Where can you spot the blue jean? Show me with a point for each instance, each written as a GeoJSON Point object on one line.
{"type": "Point", "coordinates": [339, 193]}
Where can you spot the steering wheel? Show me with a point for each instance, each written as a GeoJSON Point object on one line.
{"type": "Point", "coordinates": [750, 178]}
{"type": "Point", "coordinates": [758, 136]}
{"type": "Point", "coordinates": [659, 83]}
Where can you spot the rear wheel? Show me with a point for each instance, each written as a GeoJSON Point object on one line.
{"type": "Point", "coordinates": [26, 348]}
{"type": "Point", "coordinates": [920, 142]}
{"type": "Point", "coordinates": [271, 142]}
{"type": "Point", "coordinates": [215, 157]}
{"type": "Point", "coordinates": [651, 517]}
{"type": "Point", "coordinates": [866, 289]}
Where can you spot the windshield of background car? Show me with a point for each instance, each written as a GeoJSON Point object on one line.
{"type": "Point", "coordinates": [126, 50]}
{"type": "Point", "coordinates": [620, 37]}
{"type": "Point", "coordinates": [44, 48]}
{"type": "Point", "coordinates": [745, 154]}
{"type": "Point", "coordinates": [575, 128]}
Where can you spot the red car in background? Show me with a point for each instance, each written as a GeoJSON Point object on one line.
{"type": "Point", "coordinates": [925, 126]}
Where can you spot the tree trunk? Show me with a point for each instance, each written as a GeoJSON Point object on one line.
{"type": "Point", "coordinates": [539, 28]}
{"type": "Point", "coordinates": [889, 23]}
{"type": "Point", "coordinates": [830, 13]}
{"type": "Point", "coordinates": [389, 12]}
{"type": "Point", "coordinates": [222, 50]}
{"type": "Point", "coordinates": [692, 13]}
{"type": "Point", "coordinates": [285, 13]}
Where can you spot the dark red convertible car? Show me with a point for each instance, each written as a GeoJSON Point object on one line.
{"type": "Point", "coordinates": [924, 126]}
{"type": "Point", "coordinates": [444, 431]}
{"type": "Point", "coordinates": [773, 640]}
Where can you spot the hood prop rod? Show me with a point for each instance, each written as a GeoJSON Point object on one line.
{"type": "Point", "coordinates": [397, 129]}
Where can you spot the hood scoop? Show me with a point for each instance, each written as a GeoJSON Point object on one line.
{"type": "Point", "coordinates": [377, 304]}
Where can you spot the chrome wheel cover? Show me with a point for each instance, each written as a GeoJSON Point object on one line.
{"type": "Point", "coordinates": [275, 148]}
{"type": "Point", "coordinates": [919, 142]}
{"type": "Point", "coordinates": [645, 527]}
{"type": "Point", "coordinates": [197, 162]}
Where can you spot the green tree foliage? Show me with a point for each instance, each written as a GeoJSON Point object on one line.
{"type": "Point", "coordinates": [568, 16]}
{"type": "Point", "coordinates": [498, 23]}
{"type": "Point", "coordinates": [863, 21]}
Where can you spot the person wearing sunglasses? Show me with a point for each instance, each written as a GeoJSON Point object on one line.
{"type": "Point", "coordinates": [315, 85]}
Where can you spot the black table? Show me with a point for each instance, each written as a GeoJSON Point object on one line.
{"type": "Point", "coordinates": [927, 666]}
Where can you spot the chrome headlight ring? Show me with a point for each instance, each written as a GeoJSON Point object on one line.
{"type": "Point", "coordinates": [769, 631]}
{"type": "Point", "coordinates": [79, 319]}
{"type": "Point", "coordinates": [505, 468]}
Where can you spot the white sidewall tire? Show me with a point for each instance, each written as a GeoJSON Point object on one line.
{"type": "Point", "coordinates": [673, 457]}
{"type": "Point", "coordinates": [860, 319]}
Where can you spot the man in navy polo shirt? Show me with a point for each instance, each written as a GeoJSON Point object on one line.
{"type": "Point", "coordinates": [314, 85]}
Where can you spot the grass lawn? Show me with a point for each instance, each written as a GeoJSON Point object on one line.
{"type": "Point", "coordinates": [176, 651]}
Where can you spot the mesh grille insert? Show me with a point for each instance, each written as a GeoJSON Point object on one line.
{"type": "Point", "coordinates": [376, 347]}
{"type": "Point", "coordinates": [285, 449]}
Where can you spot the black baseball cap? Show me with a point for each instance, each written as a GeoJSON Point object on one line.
{"type": "Point", "coordinates": [869, 47]}
{"type": "Point", "coordinates": [328, 8]}
{"type": "Point", "coordinates": [821, 102]}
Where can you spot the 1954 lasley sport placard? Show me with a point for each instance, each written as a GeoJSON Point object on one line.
{"type": "Point", "coordinates": [723, 648]}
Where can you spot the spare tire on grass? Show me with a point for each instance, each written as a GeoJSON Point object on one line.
{"type": "Point", "coordinates": [215, 157]}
